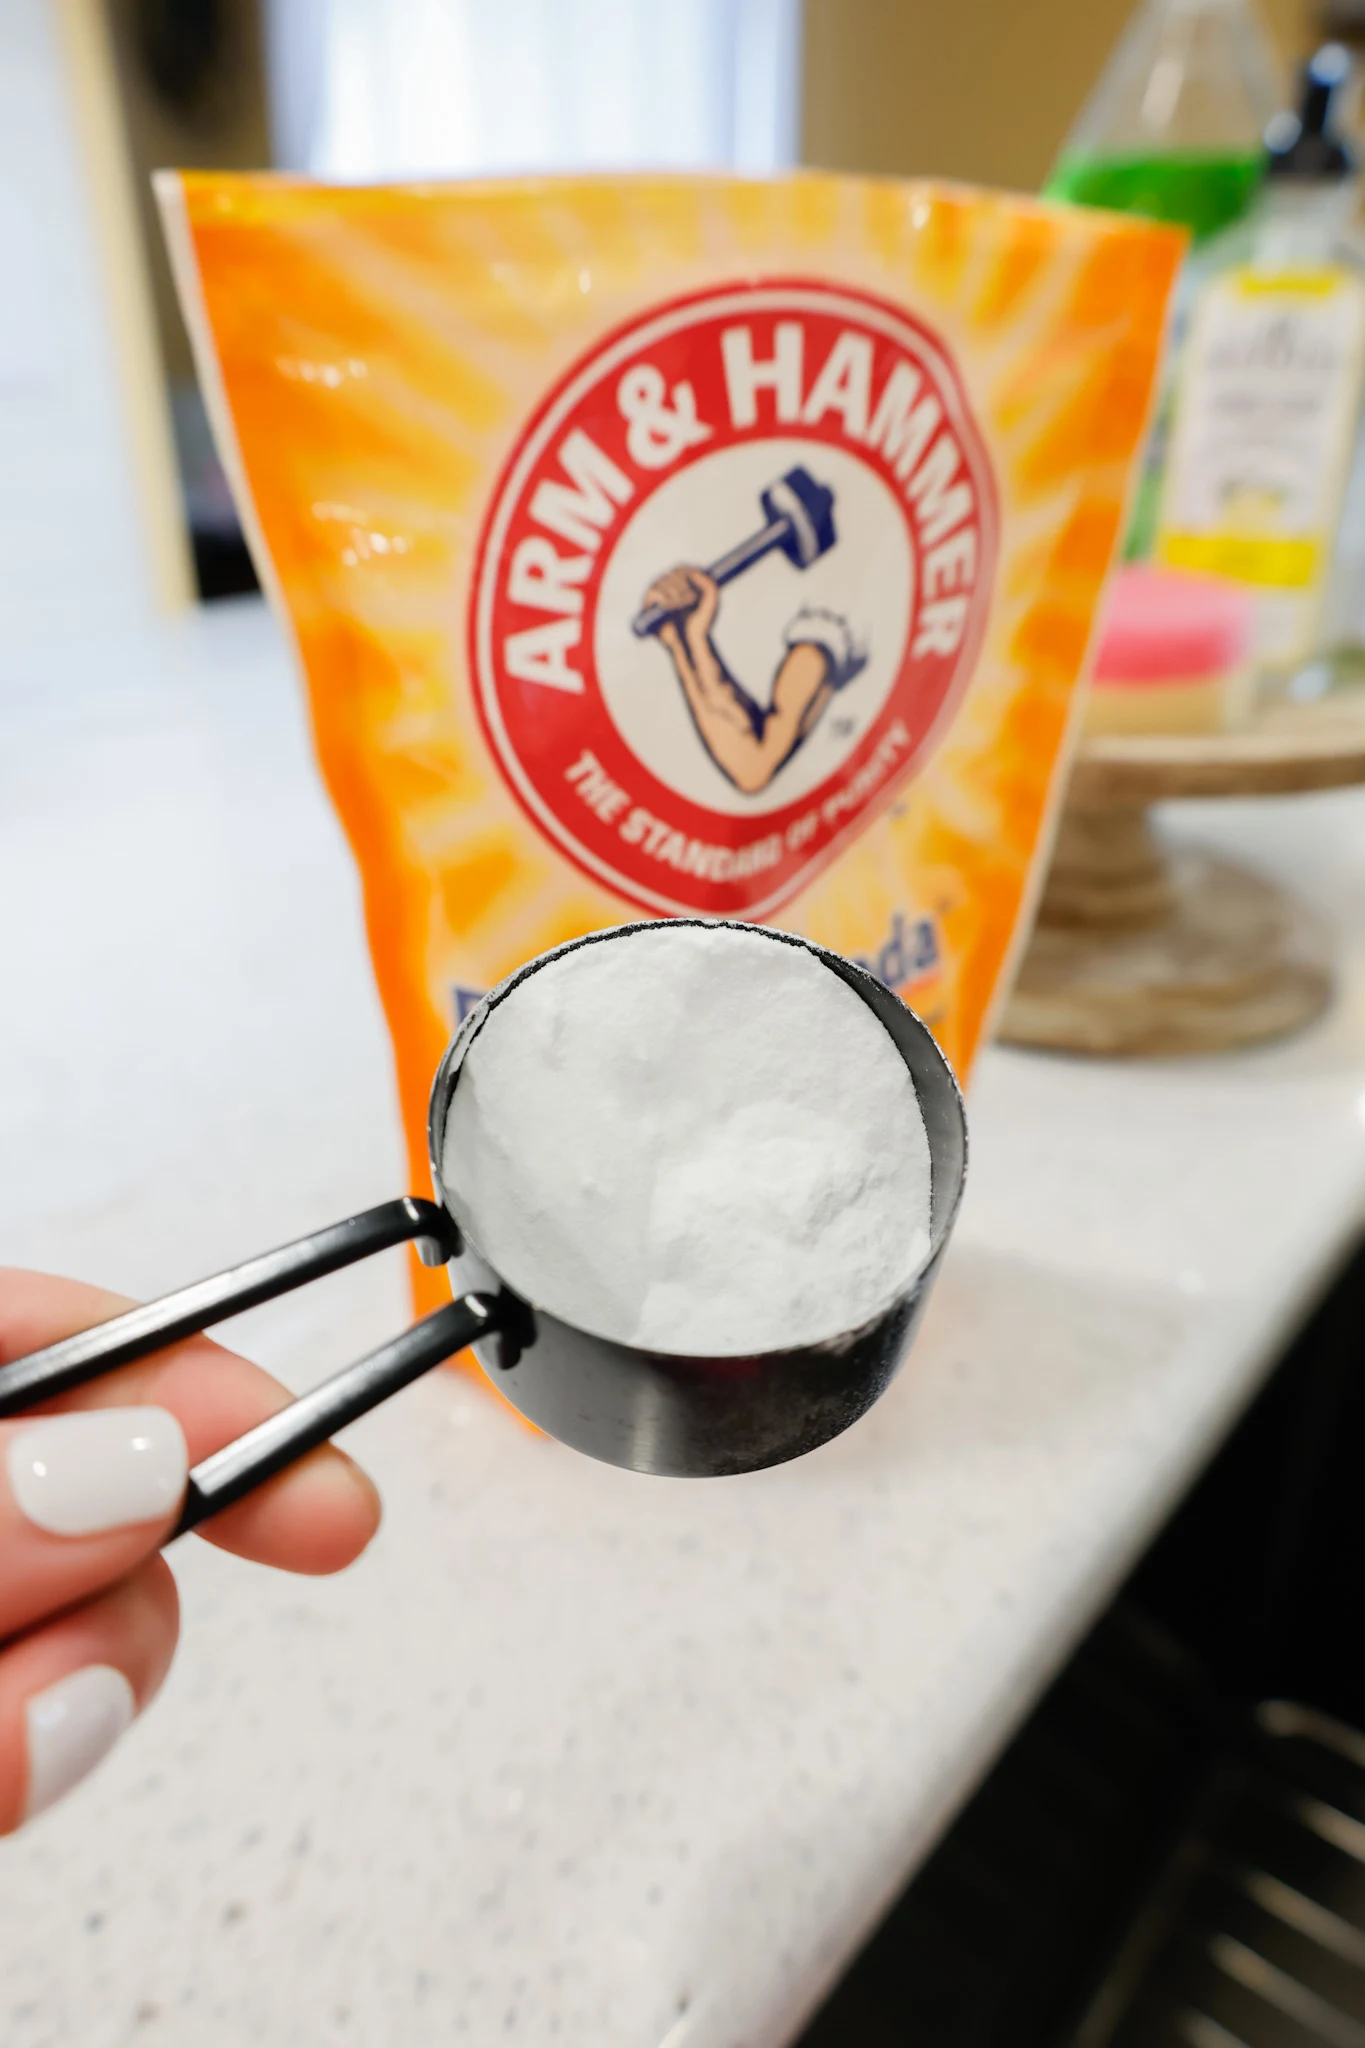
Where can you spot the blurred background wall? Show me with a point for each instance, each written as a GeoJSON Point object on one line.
{"type": "Point", "coordinates": [192, 86]}
{"type": "Point", "coordinates": [91, 532]}
{"type": "Point", "coordinates": [113, 477]}
{"type": "Point", "coordinates": [977, 89]}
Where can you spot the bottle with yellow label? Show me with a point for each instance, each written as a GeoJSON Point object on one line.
{"type": "Point", "coordinates": [1266, 413]}
{"type": "Point", "coordinates": [1174, 130]}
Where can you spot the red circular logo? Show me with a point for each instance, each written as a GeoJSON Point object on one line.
{"type": "Point", "coordinates": [733, 580]}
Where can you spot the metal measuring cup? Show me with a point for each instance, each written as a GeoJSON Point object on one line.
{"type": "Point", "coordinates": [649, 1411]}
{"type": "Point", "coordinates": [685, 1417]}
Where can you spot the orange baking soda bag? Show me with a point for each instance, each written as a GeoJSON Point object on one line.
{"type": "Point", "coordinates": [678, 545]}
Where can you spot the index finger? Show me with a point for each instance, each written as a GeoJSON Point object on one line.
{"type": "Point", "coordinates": [316, 1517]}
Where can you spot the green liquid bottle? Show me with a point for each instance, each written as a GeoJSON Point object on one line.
{"type": "Point", "coordinates": [1202, 190]}
{"type": "Point", "coordinates": [1173, 130]}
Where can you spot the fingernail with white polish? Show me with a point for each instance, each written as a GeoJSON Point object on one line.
{"type": "Point", "coordinates": [105, 1468]}
{"type": "Point", "coordinates": [71, 1727]}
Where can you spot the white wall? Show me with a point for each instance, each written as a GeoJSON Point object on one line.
{"type": "Point", "coordinates": [79, 550]}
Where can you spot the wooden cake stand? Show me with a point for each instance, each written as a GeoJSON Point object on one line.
{"type": "Point", "coordinates": [1138, 949]}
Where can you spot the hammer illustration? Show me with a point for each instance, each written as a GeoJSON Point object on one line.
{"type": "Point", "coordinates": [800, 516]}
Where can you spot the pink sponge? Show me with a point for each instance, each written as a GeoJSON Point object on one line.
{"type": "Point", "coordinates": [1160, 627]}
{"type": "Point", "coordinates": [1172, 656]}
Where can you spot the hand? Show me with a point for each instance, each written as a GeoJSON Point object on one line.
{"type": "Point", "coordinates": [689, 595]}
{"type": "Point", "coordinates": [91, 1485]}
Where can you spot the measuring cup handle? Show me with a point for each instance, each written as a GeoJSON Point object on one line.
{"type": "Point", "coordinates": [105, 1347]}
{"type": "Point", "coordinates": [246, 1464]}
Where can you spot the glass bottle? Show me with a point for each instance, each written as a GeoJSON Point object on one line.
{"type": "Point", "coordinates": [1268, 394]}
{"type": "Point", "coordinates": [1173, 128]}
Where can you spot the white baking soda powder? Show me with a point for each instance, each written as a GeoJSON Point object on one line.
{"type": "Point", "coordinates": [695, 1139]}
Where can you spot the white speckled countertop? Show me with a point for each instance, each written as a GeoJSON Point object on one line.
{"type": "Point", "coordinates": [572, 1757]}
